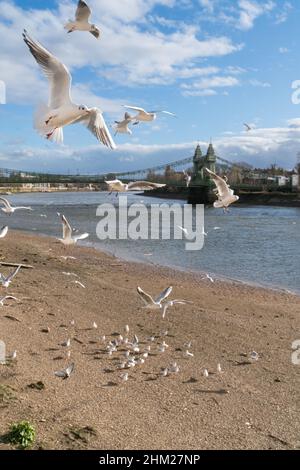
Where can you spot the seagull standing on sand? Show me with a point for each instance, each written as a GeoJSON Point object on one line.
{"type": "Point", "coordinates": [68, 237]}
{"type": "Point", "coordinates": [61, 110]}
{"type": "Point", "coordinates": [3, 232]}
{"type": "Point", "coordinates": [81, 22]}
{"type": "Point", "coordinates": [122, 126]}
{"type": "Point", "coordinates": [65, 373]}
{"type": "Point", "coordinates": [226, 195]}
{"type": "Point", "coordinates": [5, 281]}
{"type": "Point", "coordinates": [119, 187]}
{"type": "Point", "coordinates": [9, 209]}
{"type": "Point", "coordinates": [145, 116]}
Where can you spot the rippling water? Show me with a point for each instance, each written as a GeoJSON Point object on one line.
{"type": "Point", "coordinates": [256, 244]}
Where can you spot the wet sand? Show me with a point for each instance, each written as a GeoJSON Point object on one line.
{"type": "Point", "coordinates": [250, 405]}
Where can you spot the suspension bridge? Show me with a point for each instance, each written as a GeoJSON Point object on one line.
{"type": "Point", "coordinates": [17, 176]}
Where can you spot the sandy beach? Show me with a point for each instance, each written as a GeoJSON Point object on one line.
{"type": "Point", "coordinates": [250, 405]}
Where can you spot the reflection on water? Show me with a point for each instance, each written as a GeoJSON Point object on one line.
{"type": "Point", "coordinates": [254, 244]}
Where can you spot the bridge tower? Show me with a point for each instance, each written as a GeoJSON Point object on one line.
{"type": "Point", "coordinates": [200, 191]}
{"type": "Point", "coordinates": [211, 158]}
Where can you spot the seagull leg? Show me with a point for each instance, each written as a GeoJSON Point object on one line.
{"type": "Point", "coordinates": [49, 135]}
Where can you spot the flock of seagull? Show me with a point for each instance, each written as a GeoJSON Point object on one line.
{"type": "Point", "coordinates": [50, 120]}
{"type": "Point", "coordinates": [133, 352]}
{"type": "Point", "coordinates": [61, 111]}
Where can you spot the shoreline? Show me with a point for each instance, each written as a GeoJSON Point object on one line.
{"type": "Point", "coordinates": [246, 199]}
{"type": "Point", "coordinates": [250, 405]}
{"type": "Point", "coordinates": [200, 274]}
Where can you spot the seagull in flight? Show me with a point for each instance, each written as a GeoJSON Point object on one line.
{"type": "Point", "coordinates": [171, 303]}
{"type": "Point", "coordinates": [61, 110]}
{"type": "Point", "coordinates": [3, 232]}
{"type": "Point", "coordinates": [248, 128]}
{"type": "Point", "coordinates": [65, 373]}
{"type": "Point", "coordinates": [68, 237]}
{"type": "Point", "coordinates": [145, 116]}
{"type": "Point", "coordinates": [158, 303]}
{"type": "Point", "coordinates": [122, 126]}
{"type": "Point", "coordinates": [225, 195]}
{"type": "Point", "coordinates": [81, 22]}
{"type": "Point", "coordinates": [119, 187]}
{"type": "Point", "coordinates": [9, 209]}
{"type": "Point", "coordinates": [6, 297]}
{"type": "Point", "coordinates": [5, 281]}
{"type": "Point", "coordinates": [184, 230]}
{"type": "Point", "coordinates": [207, 276]}
{"type": "Point", "coordinates": [187, 178]}
{"type": "Point", "coordinates": [154, 304]}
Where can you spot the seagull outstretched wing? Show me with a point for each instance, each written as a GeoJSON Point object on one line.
{"type": "Point", "coordinates": [57, 73]}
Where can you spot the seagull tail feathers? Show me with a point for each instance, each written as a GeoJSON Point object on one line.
{"type": "Point", "coordinates": [218, 204]}
{"type": "Point", "coordinates": [69, 27]}
{"type": "Point", "coordinates": [41, 117]}
{"type": "Point", "coordinates": [56, 136]}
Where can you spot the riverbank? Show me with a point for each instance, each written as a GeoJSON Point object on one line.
{"type": "Point", "coordinates": [249, 199]}
{"type": "Point", "coordinates": [249, 405]}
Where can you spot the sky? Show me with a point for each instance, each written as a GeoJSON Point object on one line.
{"type": "Point", "coordinates": [214, 63]}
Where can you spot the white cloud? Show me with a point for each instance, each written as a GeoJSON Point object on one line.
{"type": "Point", "coordinates": [208, 5]}
{"type": "Point", "coordinates": [129, 52]}
{"type": "Point", "coordinates": [283, 50]}
{"type": "Point", "coordinates": [260, 147]}
{"type": "Point", "coordinates": [258, 83]}
{"type": "Point", "coordinates": [206, 86]}
{"type": "Point", "coordinates": [286, 9]}
{"type": "Point", "coordinates": [251, 10]}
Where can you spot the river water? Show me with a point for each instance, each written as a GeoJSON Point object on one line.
{"type": "Point", "coordinates": [255, 244]}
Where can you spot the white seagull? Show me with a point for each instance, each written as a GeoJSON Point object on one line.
{"type": "Point", "coordinates": [154, 304]}
{"type": "Point", "coordinates": [68, 237]}
{"type": "Point", "coordinates": [65, 373]}
{"type": "Point", "coordinates": [61, 111]}
{"type": "Point", "coordinates": [122, 126]}
{"type": "Point", "coordinates": [226, 195]}
{"type": "Point", "coordinates": [145, 116]}
{"type": "Point", "coordinates": [9, 209]}
{"type": "Point", "coordinates": [81, 22]}
{"type": "Point", "coordinates": [6, 297]}
{"type": "Point", "coordinates": [3, 232]}
{"type": "Point", "coordinates": [158, 303]}
{"type": "Point", "coordinates": [248, 128]}
{"type": "Point", "coordinates": [5, 281]}
{"type": "Point", "coordinates": [171, 303]}
{"type": "Point", "coordinates": [187, 178]}
{"type": "Point", "coordinates": [119, 187]}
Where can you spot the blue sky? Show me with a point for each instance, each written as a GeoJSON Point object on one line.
{"type": "Point", "coordinates": [215, 63]}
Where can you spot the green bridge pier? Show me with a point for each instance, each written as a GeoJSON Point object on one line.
{"type": "Point", "coordinates": [201, 186]}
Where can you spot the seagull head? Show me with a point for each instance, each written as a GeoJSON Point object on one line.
{"type": "Point", "coordinates": [83, 109]}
